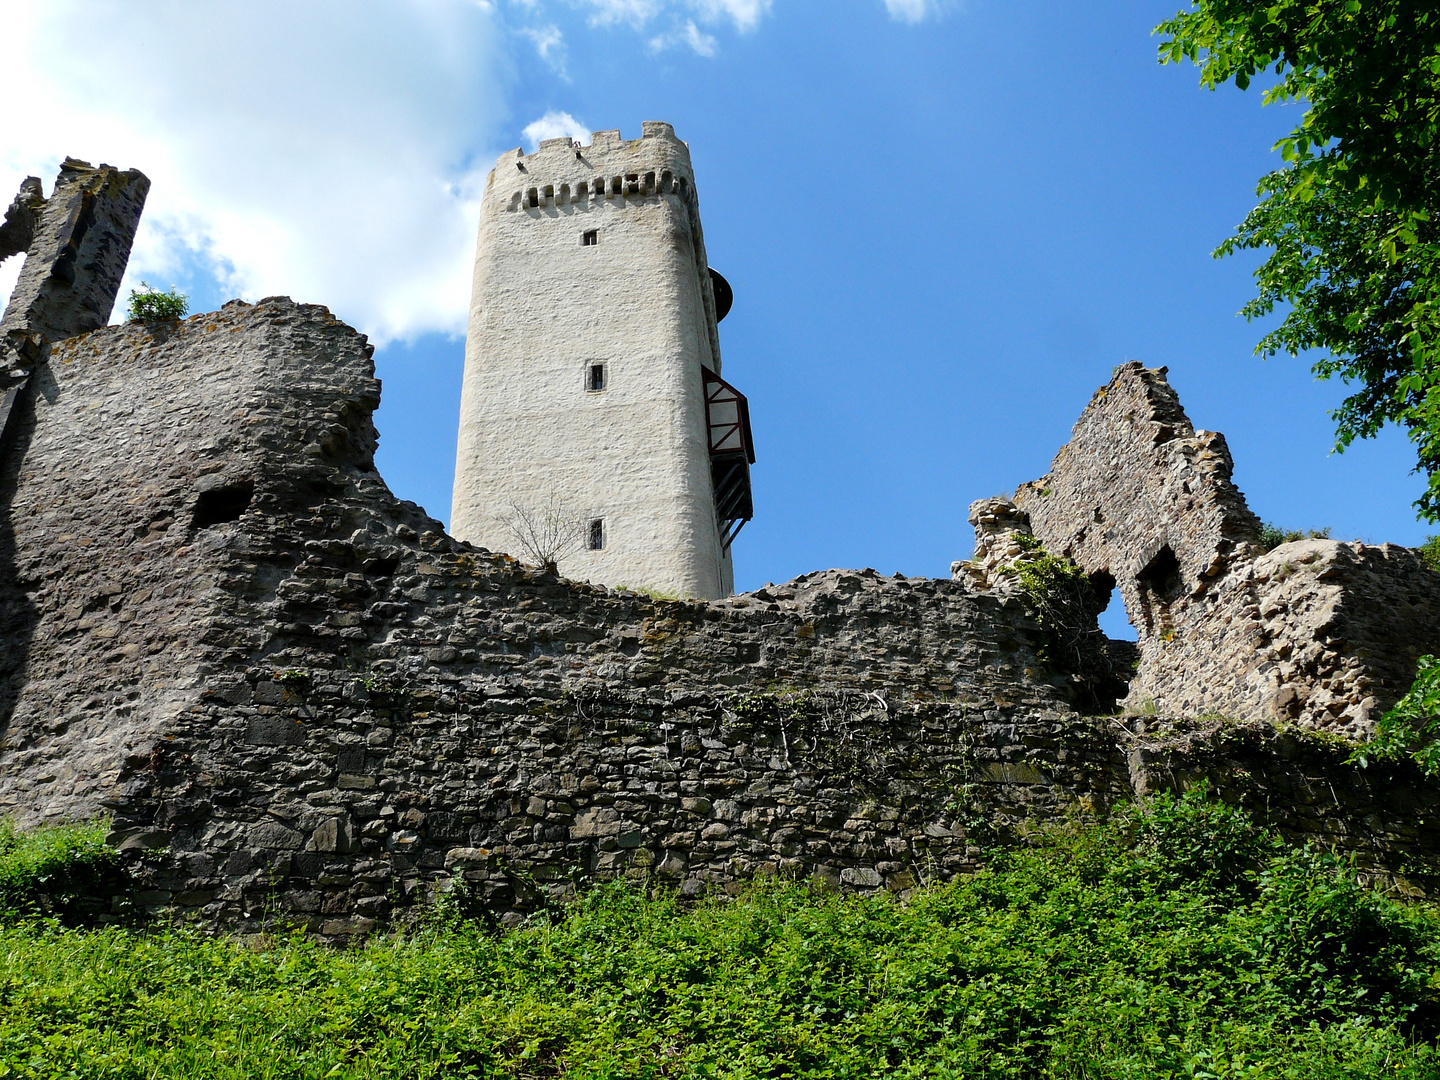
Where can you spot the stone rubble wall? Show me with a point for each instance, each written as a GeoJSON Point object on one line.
{"type": "Point", "coordinates": [223, 630]}
{"type": "Point", "coordinates": [1000, 533]}
{"type": "Point", "coordinates": [1316, 632]}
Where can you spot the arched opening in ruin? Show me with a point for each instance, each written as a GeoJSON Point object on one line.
{"type": "Point", "coordinates": [1159, 586]}
{"type": "Point", "coordinates": [1113, 618]}
{"type": "Point", "coordinates": [1110, 659]}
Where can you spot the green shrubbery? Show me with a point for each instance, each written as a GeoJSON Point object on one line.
{"type": "Point", "coordinates": [53, 871]}
{"type": "Point", "coordinates": [1272, 536]}
{"type": "Point", "coordinates": [1181, 941]}
{"type": "Point", "coordinates": [1430, 552]}
{"type": "Point", "coordinates": [1412, 728]}
{"type": "Point", "coordinates": [148, 304]}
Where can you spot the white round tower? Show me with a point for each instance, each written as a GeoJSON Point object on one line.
{"type": "Point", "coordinates": [595, 430]}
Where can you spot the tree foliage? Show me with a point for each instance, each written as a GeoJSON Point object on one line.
{"type": "Point", "coordinates": [1350, 221]}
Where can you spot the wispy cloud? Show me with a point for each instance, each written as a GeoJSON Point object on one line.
{"type": "Point", "coordinates": [914, 11]}
{"type": "Point", "coordinates": [555, 125]}
{"type": "Point", "coordinates": [688, 34]}
{"type": "Point", "coordinates": [315, 162]}
{"type": "Point", "coordinates": [550, 45]}
{"type": "Point", "coordinates": [744, 14]}
{"type": "Point", "coordinates": [637, 13]}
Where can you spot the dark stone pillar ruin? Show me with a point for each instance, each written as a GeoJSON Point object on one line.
{"type": "Point", "coordinates": [76, 244]}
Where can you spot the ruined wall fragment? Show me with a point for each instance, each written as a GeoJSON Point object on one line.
{"type": "Point", "coordinates": [17, 230]}
{"type": "Point", "coordinates": [79, 244]}
{"type": "Point", "coordinates": [1317, 632]}
{"type": "Point", "coordinates": [76, 244]}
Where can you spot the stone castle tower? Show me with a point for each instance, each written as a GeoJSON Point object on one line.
{"type": "Point", "coordinates": [592, 399]}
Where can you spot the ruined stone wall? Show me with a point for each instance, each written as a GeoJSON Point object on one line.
{"type": "Point", "coordinates": [1138, 494]}
{"type": "Point", "coordinates": [77, 243]}
{"type": "Point", "coordinates": [1317, 632]}
{"type": "Point", "coordinates": [224, 630]}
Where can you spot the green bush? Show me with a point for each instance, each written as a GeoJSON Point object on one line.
{"type": "Point", "coordinates": [1181, 941]}
{"type": "Point", "coordinates": [55, 871]}
{"type": "Point", "coordinates": [1412, 728]}
{"type": "Point", "coordinates": [1272, 536]}
{"type": "Point", "coordinates": [1430, 552]}
{"type": "Point", "coordinates": [152, 305]}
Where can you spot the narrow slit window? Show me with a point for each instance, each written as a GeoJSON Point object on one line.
{"type": "Point", "coordinates": [597, 534]}
{"type": "Point", "coordinates": [595, 378]}
{"type": "Point", "coordinates": [590, 238]}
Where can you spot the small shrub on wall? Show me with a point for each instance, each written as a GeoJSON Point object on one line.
{"type": "Point", "coordinates": [148, 304]}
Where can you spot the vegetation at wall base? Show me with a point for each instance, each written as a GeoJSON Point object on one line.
{"type": "Point", "coordinates": [58, 872]}
{"type": "Point", "coordinates": [149, 304]}
{"type": "Point", "coordinates": [1180, 940]}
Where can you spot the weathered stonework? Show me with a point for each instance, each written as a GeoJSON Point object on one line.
{"type": "Point", "coordinates": [219, 627]}
{"type": "Point", "coordinates": [18, 228]}
{"type": "Point", "coordinates": [223, 630]}
{"type": "Point", "coordinates": [1318, 632]}
{"type": "Point", "coordinates": [76, 246]}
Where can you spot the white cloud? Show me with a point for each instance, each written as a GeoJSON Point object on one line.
{"type": "Point", "coordinates": [745, 14]}
{"type": "Point", "coordinates": [555, 125]}
{"type": "Point", "coordinates": [914, 11]}
{"type": "Point", "coordinates": [635, 12]}
{"type": "Point", "coordinates": [550, 45]}
{"type": "Point", "coordinates": [293, 148]}
{"type": "Point", "coordinates": [688, 34]}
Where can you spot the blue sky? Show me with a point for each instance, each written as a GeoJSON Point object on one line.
{"type": "Point", "coordinates": [945, 224]}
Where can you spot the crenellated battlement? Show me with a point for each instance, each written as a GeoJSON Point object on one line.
{"type": "Point", "coordinates": [619, 189]}
{"type": "Point", "coordinates": [563, 173]}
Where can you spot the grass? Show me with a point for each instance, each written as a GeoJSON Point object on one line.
{"type": "Point", "coordinates": [54, 871]}
{"type": "Point", "coordinates": [1178, 941]}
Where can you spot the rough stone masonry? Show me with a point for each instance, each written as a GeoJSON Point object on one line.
{"type": "Point", "coordinates": [1316, 631]}
{"type": "Point", "coordinates": [313, 705]}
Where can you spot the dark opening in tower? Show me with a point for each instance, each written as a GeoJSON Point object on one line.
{"type": "Point", "coordinates": [1159, 586]}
